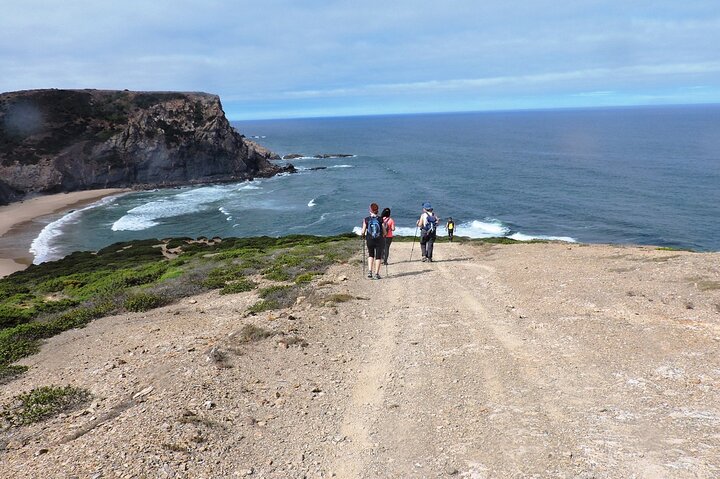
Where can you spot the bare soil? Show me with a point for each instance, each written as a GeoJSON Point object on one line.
{"type": "Point", "coordinates": [494, 361]}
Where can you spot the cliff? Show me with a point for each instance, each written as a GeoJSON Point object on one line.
{"type": "Point", "coordinates": [64, 140]}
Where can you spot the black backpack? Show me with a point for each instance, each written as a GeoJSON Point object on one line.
{"type": "Point", "coordinates": [374, 228]}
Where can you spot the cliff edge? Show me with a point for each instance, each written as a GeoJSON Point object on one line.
{"type": "Point", "coordinates": [65, 140]}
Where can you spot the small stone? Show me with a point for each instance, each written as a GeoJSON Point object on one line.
{"type": "Point", "coordinates": [42, 451]}
{"type": "Point", "coordinates": [144, 392]}
{"type": "Point", "coordinates": [451, 471]}
{"type": "Point", "coordinates": [300, 299]}
{"type": "Point", "coordinates": [208, 404]}
{"type": "Point", "coordinates": [193, 301]}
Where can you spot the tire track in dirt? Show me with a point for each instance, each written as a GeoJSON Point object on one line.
{"type": "Point", "coordinates": [368, 393]}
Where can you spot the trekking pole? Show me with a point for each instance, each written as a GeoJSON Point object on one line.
{"type": "Point", "coordinates": [413, 245]}
{"type": "Point", "coordinates": [362, 241]}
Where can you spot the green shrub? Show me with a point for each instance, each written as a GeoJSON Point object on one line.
{"type": "Point", "coordinates": [276, 273]}
{"type": "Point", "coordinates": [274, 291]}
{"type": "Point", "coordinates": [12, 315]}
{"type": "Point", "coordinates": [139, 302]}
{"type": "Point", "coordinates": [305, 277]}
{"type": "Point", "coordinates": [263, 305]}
{"type": "Point", "coordinates": [42, 403]}
{"type": "Point", "coordinates": [240, 286]}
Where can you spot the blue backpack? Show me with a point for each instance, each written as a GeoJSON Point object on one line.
{"type": "Point", "coordinates": [430, 223]}
{"type": "Point", "coordinates": [374, 229]}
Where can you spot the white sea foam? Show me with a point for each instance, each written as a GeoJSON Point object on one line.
{"type": "Point", "coordinates": [228, 216]}
{"type": "Point", "coordinates": [311, 203]}
{"type": "Point", "coordinates": [248, 185]}
{"type": "Point", "coordinates": [43, 247]}
{"type": "Point", "coordinates": [192, 201]}
{"type": "Point", "coordinates": [489, 228]}
{"type": "Point", "coordinates": [524, 237]}
{"type": "Point", "coordinates": [341, 166]}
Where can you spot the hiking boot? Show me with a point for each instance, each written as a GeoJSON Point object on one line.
{"type": "Point", "coordinates": [377, 276]}
{"type": "Point", "coordinates": [429, 260]}
{"type": "Point", "coordinates": [370, 275]}
{"type": "Point", "coordinates": [424, 259]}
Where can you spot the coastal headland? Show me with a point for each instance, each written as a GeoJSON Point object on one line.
{"type": "Point", "coordinates": [61, 149]}
{"type": "Point", "coordinates": [55, 141]}
{"type": "Point", "coordinates": [496, 360]}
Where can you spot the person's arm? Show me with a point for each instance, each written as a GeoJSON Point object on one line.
{"type": "Point", "coordinates": [364, 228]}
{"type": "Point", "coordinates": [392, 222]}
{"type": "Point", "coordinates": [420, 221]}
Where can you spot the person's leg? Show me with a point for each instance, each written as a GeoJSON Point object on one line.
{"type": "Point", "coordinates": [378, 258]}
{"type": "Point", "coordinates": [371, 259]}
{"type": "Point", "coordinates": [387, 250]}
{"type": "Point", "coordinates": [423, 246]}
{"type": "Point", "coordinates": [430, 245]}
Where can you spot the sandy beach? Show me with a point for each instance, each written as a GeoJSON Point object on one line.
{"type": "Point", "coordinates": [19, 225]}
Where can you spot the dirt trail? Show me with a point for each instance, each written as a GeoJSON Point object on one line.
{"type": "Point", "coordinates": [485, 379]}
{"type": "Point", "coordinates": [531, 360]}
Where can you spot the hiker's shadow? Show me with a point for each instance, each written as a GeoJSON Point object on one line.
{"type": "Point", "coordinates": [409, 273]}
{"type": "Point", "coordinates": [450, 260]}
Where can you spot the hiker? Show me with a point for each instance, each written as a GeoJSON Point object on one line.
{"type": "Point", "coordinates": [450, 228]}
{"type": "Point", "coordinates": [389, 228]}
{"type": "Point", "coordinates": [373, 231]}
{"type": "Point", "coordinates": [428, 228]}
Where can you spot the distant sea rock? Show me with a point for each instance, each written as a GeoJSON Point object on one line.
{"type": "Point", "coordinates": [293, 156]}
{"type": "Point", "coordinates": [65, 140]}
{"type": "Point", "coordinates": [333, 155]}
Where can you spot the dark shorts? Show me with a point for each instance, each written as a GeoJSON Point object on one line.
{"type": "Point", "coordinates": [375, 247]}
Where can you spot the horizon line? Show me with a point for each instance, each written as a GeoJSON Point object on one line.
{"type": "Point", "coordinates": [498, 110]}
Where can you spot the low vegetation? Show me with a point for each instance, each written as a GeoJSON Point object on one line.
{"type": "Point", "coordinates": [42, 403]}
{"type": "Point", "coordinates": [50, 298]}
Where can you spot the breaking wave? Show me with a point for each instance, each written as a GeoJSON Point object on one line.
{"type": "Point", "coordinates": [43, 247]}
{"type": "Point", "coordinates": [490, 228]}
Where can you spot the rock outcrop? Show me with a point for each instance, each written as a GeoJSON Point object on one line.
{"type": "Point", "coordinates": [64, 140]}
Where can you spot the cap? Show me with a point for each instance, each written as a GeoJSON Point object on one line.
{"type": "Point", "coordinates": [427, 206]}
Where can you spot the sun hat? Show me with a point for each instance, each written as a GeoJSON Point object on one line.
{"type": "Point", "coordinates": [427, 206]}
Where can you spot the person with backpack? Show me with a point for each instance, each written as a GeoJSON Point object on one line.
{"type": "Point", "coordinates": [389, 228]}
{"type": "Point", "coordinates": [428, 230]}
{"type": "Point", "coordinates": [373, 230]}
{"type": "Point", "coordinates": [450, 228]}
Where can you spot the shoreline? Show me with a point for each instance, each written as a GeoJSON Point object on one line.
{"type": "Point", "coordinates": [19, 223]}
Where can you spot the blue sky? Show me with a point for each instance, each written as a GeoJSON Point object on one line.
{"type": "Point", "coordinates": [279, 59]}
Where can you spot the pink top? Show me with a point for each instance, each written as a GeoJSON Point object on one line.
{"type": "Point", "coordinates": [390, 224]}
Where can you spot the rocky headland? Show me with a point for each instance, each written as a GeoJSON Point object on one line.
{"type": "Point", "coordinates": [55, 141]}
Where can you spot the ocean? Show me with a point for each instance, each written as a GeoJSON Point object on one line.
{"type": "Point", "coordinates": [642, 175]}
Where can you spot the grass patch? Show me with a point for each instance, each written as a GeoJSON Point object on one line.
{"type": "Point", "coordinates": [47, 299]}
{"type": "Point", "coordinates": [240, 286]}
{"type": "Point", "coordinates": [305, 277]}
{"type": "Point", "coordinates": [263, 305]}
{"type": "Point", "coordinates": [139, 302]}
{"type": "Point", "coordinates": [43, 403]}
{"type": "Point", "coordinates": [674, 248]}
